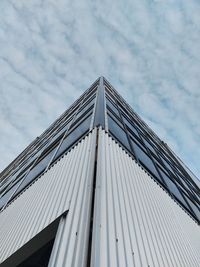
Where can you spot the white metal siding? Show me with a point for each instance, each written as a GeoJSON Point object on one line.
{"type": "Point", "coordinates": [66, 186]}
{"type": "Point", "coordinates": [136, 222]}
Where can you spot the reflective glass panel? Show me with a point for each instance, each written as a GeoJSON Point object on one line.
{"type": "Point", "coordinates": [130, 127]}
{"type": "Point", "coordinates": [42, 164]}
{"type": "Point", "coordinates": [35, 171]}
{"type": "Point", "coordinates": [149, 145]}
{"type": "Point", "coordinates": [84, 109]}
{"type": "Point", "coordinates": [74, 135]}
{"type": "Point", "coordinates": [112, 106]}
{"type": "Point", "coordinates": [145, 159]}
{"type": "Point", "coordinates": [194, 208]}
{"type": "Point", "coordinates": [118, 132]}
{"type": "Point", "coordinates": [173, 188]}
{"type": "Point", "coordinates": [167, 165]}
{"type": "Point", "coordinates": [7, 195]}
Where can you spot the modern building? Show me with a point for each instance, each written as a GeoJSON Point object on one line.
{"type": "Point", "coordinates": [99, 188]}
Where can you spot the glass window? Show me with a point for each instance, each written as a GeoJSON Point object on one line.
{"type": "Point", "coordinates": [6, 186]}
{"type": "Point", "coordinates": [194, 208]}
{"type": "Point", "coordinates": [157, 160]}
{"type": "Point", "coordinates": [148, 145]}
{"type": "Point", "coordinates": [91, 93]}
{"type": "Point", "coordinates": [167, 165]}
{"type": "Point", "coordinates": [173, 188]}
{"type": "Point", "coordinates": [118, 132]}
{"type": "Point", "coordinates": [61, 129]}
{"type": "Point", "coordinates": [67, 142]}
{"type": "Point", "coordinates": [112, 106]}
{"type": "Point", "coordinates": [74, 135]}
{"type": "Point", "coordinates": [109, 92]}
{"type": "Point", "coordinates": [7, 195]}
{"type": "Point", "coordinates": [85, 108]}
{"type": "Point", "coordinates": [121, 107]}
{"type": "Point", "coordinates": [4, 183]}
{"type": "Point", "coordinates": [19, 173]}
{"type": "Point", "coordinates": [53, 140]}
{"type": "Point", "coordinates": [35, 171]}
{"type": "Point", "coordinates": [130, 127]}
{"type": "Point", "coordinates": [187, 184]}
{"type": "Point", "coordinates": [145, 160]}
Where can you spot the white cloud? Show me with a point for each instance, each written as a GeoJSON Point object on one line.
{"type": "Point", "coordinates": [50, 52]}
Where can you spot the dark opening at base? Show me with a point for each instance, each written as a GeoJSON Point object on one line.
{"type": "Point", "coordinates": [40, 258]}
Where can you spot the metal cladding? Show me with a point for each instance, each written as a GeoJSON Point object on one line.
{"type": "Point", "coordinates": [136, 223]}
{"type": "Point", "coordinates": [102, 106]}
{"type": "Point", "coordinates": [65, 186]}
{"type": "Point", "coordinates": [120, 196]}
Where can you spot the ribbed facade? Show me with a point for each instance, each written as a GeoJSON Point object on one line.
{"type": "Point", "coordinates": [136, 222]}
{"type": "Point", "coordinates": [64, 187]}
{"type": "Point", "coordinates": [99, 188]}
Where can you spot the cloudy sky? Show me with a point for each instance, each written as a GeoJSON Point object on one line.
{"type": "Point", "coordinates": [52, 50]}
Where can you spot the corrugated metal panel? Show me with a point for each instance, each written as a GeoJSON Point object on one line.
{"type": "Point", "coordinates": [136, 223]}
{"type": "Point", "coordinates": [66, 186]}
{"type": "Point", "coordinates": [72, 239]}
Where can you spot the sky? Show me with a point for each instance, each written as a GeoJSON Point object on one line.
{"type": "Point", "coordinates": [51, 51]}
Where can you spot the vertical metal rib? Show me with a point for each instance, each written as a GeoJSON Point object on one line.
{"type": "Point", "coordinates": [136, 223]}
{"type": "Point", "coordinates": [100, 105]}
{"type": "Point", "coordinates": [63, 187]}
